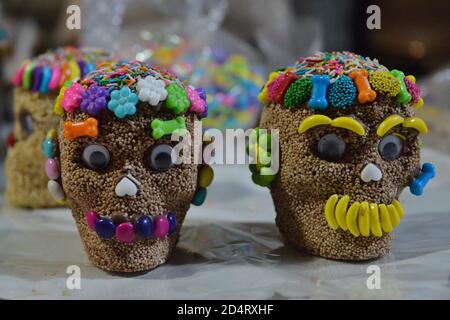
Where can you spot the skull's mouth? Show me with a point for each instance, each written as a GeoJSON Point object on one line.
{"type": "Point", "coordinates": [362, 218]}
{"type": "Point", "coordinates": [128, 230]}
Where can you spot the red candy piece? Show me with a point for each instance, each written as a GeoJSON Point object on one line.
{"type": "Point", "coordinates": [278, 87]}
{"type": "Point", "coordinates": [10, 140]}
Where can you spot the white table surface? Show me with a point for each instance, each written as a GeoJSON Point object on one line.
{"type": "Point", "coordinates": [230, 248]}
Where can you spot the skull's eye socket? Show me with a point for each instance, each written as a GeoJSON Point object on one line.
{"type": "Point", "coordinates": [96, 157]}
{"type": "Point", "coordinates": [26, 122]}
{"type": "Point", "coordinates": [160, 157]}
{"type": "Point", "coordinates": [331, 148]}
{"type": "Point", "coordinates": [390, 147]}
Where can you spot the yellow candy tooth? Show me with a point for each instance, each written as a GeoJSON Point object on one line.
{"type": "Point", "coordinates": [313, 121]}
{"type": "Point", "coordinates": [395, 218]}
{"type": "Point", "coordinates": [350, 124]}
{"type": "Point", "coordinates": [385, 221]}
{"type": "Point", "coordinates": [329, 211]}
{"type": "Point", "coordinates": [341, 210]}
{"type": "Point", "coordinates": [363, 219]}
{"type": "Point", "coordinates": [352, 219]}
{"type": "Point", "coordinates": [398, 206]}
{"type": "Point", "coordinates": [374, 220]}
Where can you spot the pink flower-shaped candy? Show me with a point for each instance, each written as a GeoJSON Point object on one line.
{"type": "Point", "coordinates": [72, 97]}
{"type": "Point", "coordinates": [198, 105]}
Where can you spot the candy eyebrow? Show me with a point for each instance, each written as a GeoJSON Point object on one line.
{"type": "Point", "coordinates": [340, 122]}
{"type": "Point", "coordinates": [395, 120]}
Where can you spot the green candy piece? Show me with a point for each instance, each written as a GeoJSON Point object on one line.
{"type": "Point", "coordinates": [166, 127]}
{"type": "Point", "coordinates": [298, 93]}
{"type": "Point", "coordinates": [27, 74]}
{"type": "Point", "coordinates": [199, 196]}
{"type": "Point", "coordinates": [262, 180]}
{"type": "Point", "coordinates": [177, 99]}
{"type": "Point", "coordinates": [403, 96]}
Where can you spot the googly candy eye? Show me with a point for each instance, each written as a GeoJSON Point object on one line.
{"type": "Point", "coordinates": [160, 157]}
{"type": "Point", "coordinates": [96, 157]}
{"type": "Point", "coordinates": [390, 147]}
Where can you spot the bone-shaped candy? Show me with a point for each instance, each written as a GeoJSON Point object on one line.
{"type": "Point", "coordinates": [418, 184]}
{"type": "Point", "coordinates": [73, 130]}
{"type": "Point", "coordinates": [318, 98]}
{"type": "Point", "coordinates": [403, 96]}
{"type": "Point", "coordinates": [365, 92]}
{"type": "Point", "coordinates": [166, 127]}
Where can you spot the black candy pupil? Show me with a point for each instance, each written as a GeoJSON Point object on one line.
{"type": "Point", "coordinates": [163, 160]}
{"type": "Point", "coordinates": [390, 150]}
{"type": "Point", "coordinates": [98, 160]}
{"type": "Point", "coordinates": [331, 148]}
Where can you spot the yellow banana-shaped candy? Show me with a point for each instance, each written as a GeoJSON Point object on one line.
{"type": "Point", "coordinates": [329, 211]}
{"type": "Point", "coordinates": [375, 226]}
{"type": "Point", "coordinates": [363, 219]}
{"type": "Point", "coordinates": [395, 218]}
{"type": "Point", "coordinates": [352, 219]}
{"type": "Point", "coordinates": [341, 210]}
{"type": "Point", "coordinates": [399, 208]}
{"type": "Point", "coordinates": [385, 221]}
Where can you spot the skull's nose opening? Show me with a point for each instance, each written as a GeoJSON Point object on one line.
{"type": "Point", "coordinates": [371, 172]}
{"type": "Point", "coordinates": [127, 186]}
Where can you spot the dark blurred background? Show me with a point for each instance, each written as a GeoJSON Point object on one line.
{"type": "Point", "coordinates": [414, 36]}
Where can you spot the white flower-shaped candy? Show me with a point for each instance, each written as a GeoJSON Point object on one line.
{"type": "Point", "coordinates": [151, 90]}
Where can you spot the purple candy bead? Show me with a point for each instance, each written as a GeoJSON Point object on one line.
{"type": "Point", "coordinates": [201, 93]}
{"type": "Point", "coordinates": [95, 100]}
{"type": "Point", "coordinates": [83, 67]}
{"type": "Point", "coordinates": [52, 169]}
{"type": "Point", "coordinates": [161, 226]}
{"type": "Point", "coordinates": [37, 78]}
{"type": "Point", "coordinates": [91, 219]}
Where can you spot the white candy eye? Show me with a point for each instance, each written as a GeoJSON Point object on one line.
{"type": "Point", "coordinates": [96, 157]}
{"type": "Point", "coordinates": [390, 147]}
{"type": "Point", "coordinates": [160, 157]}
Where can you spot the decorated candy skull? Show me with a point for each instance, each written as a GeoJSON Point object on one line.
{"type": "Point", "coordinates": [120, 172]}
{"type": "Point", "coordinates": [349, 145]}
{"type": "Point", "coordinates": [37, 83]}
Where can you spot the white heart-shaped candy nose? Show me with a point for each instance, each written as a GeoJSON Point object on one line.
{"type": "Point", "coordinates": [127, 186]}
{"type": "Point", "coordinates": [371, 173]}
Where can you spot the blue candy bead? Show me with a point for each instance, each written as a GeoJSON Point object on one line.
{"type": "Point", "coordinates": [199, 197]}
{"type": "Point", "coordinates": [172, 218]}
{"type": "Point", "coordinates": [48, 148]}
{"type": "Point", "coordinates": [144, 226]}
{"type": "Point", "coordinates": [105, 228]}
{"type": "Point", "coordinates": [46, 75]}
